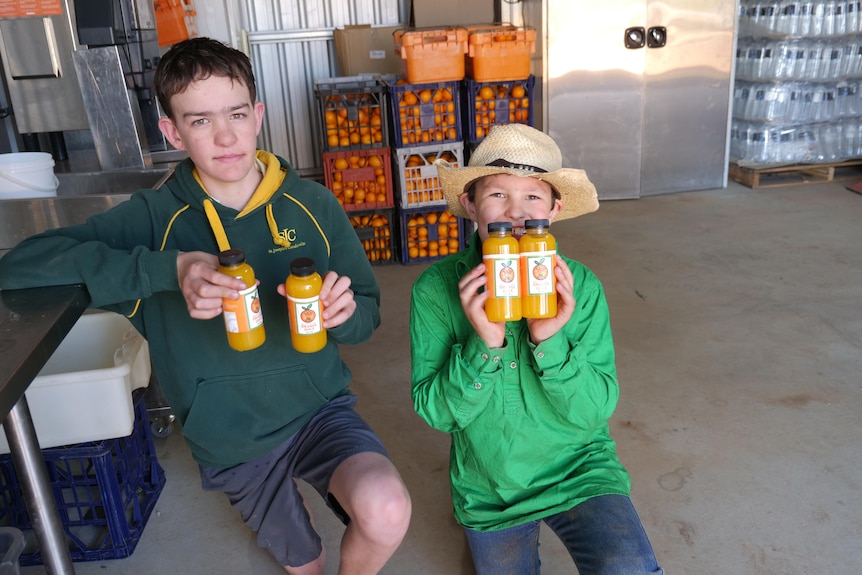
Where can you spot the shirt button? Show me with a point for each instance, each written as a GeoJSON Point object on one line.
{"type": "Point", "coordinates": [540, 355]}
{"type": "Point", "coordinates": [496, 359]}
{"type": "Point", "coordinates": [477, 385]}
{"type": "Point", "coordinates": [485, 357]}
{"type": "Point", "coordinates": [513, 365]}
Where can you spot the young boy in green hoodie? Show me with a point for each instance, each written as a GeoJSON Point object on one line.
{"type": "Point", "coordinates": [258, 420]}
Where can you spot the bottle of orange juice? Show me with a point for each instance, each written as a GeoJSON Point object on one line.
{"type": "Point", "coordinates": [500, 254]}
{"type": "Point", "coordinates": [538, 250]}
{"type": "Point", "coordinates": [243, 318]}
{"type": "Point", "coordinates": [304, 307]}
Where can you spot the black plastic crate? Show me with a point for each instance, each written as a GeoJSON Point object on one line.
{"type": "Point", "coordinates": [105, 492]}
{"type": "Point", "coordinates": [353, 113]}
{"type": "Point", "coordinates": [376, 230]}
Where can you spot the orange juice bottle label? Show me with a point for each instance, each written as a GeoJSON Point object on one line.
{"type": "Point", "coordinates": [505, 275]}
{"type": "Point", "coordinates": [540, 272]}
{"type": "Point", "coordinates": [307, 314]}
{"type": "Point", "coordinates": [244, 314]}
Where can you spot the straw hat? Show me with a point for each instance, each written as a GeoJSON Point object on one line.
{"type": "Point", "coordinates": [523, 151]}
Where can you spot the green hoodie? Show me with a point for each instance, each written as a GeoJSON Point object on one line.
{"type": "Point", "coordinates": [233, 406]}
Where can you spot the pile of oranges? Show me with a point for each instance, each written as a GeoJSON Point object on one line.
{"type": "Point", "coordinates": [360, 180]}
{"type": "Point", "coordinates": [353, 121]}
{"type": "Point", "coordinates": [375, 234]}
{"type": "Point", "coordinates": [506, 103]}
{"type": "Point", "coordinates": [420, 185]}
{"type": "Point", "coordinates": [432, 234]}
{"type": "Point", "coordinates": [427, 115]}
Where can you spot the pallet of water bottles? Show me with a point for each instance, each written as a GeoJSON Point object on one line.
{"type": "Point", "coordinates": [757, 177]}
{"type": "Point", "coordinates": [431, 233]}
{"type": "Point", "coordinates": [486, 104]}
{"type": "Point", "coordinates": [810, 18]}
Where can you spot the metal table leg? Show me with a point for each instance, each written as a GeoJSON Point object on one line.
{"type": "Point", "coordinates": [30, 467]}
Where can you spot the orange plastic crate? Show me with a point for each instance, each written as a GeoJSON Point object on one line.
{"type": "Point", "coordinates": [432, 54]}
{"type": "Point", "coordinates": [499, 53]}
{"type": "Point", "coordinates": [361, 179]}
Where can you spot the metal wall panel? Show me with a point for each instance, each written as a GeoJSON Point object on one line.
{"type": "Point", "coordinates": [640, 121]}
{"type": "Point", "coordinates": [290, 45]}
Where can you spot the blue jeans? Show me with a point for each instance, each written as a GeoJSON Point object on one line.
{"type": "Point", "coordinates": [603, 534]}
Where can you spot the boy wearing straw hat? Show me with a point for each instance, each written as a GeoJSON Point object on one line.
{"type": "Point", "coordinates": [526, 403]}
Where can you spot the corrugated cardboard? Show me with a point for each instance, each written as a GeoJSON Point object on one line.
{"type": "Point", "coordinates": [452, 12]}
{"type": "Point", "coordinates": [364, 49]}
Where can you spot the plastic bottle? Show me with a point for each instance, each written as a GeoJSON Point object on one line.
{"type": "Point", "coordinates": [304, 307]}
{"type": "Point", "coordinates": [500, 254]}
{"type": "Point", "coordinates": [538, 250]}
{"type": "Point", "coordinates": [243, 318]}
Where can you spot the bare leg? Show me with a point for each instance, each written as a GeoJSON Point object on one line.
{"type": "Point", "coordinates": [372, 493]}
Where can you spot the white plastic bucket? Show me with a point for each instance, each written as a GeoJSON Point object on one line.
{"type": "Point", "coordinates": [27, 175]}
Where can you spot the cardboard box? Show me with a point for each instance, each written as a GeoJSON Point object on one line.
{"type": "Point", "coordinates": [364, 49]}
{"type": "Point", "coordinates": [427, 13]}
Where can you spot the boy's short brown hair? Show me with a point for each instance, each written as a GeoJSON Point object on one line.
{"type": "Point", "coordinates": [198, 59]}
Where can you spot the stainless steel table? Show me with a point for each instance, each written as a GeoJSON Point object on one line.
{"type": "Point", "coordinates": [33, 322]}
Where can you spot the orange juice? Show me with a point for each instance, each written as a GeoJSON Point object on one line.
{"type": "Point", "coordinates": [304, 307]}
{"type": "Point", "coordinates": [538, 254]}
{"type": "Point", "coordinates": [500, 254]}
{"type": "Point", "coordinates": [243, 317]}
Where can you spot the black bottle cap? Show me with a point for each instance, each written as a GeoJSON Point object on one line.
{"type": "Point", "coordinates": [536, 224]}
{"type": "Point", "coordinates": [231, 257]}
{"type": "Point", "coordinates": [500, 227]}
{"type": "Point", "coordinates": [302, 267]}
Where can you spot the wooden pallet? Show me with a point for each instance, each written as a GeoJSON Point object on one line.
{"type": "Point", "coordinates": [796, 174]}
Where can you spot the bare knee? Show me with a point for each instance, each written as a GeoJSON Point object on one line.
{"type": "Point", "coordinates": [374, 496]}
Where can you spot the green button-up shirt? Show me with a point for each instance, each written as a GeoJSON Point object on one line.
{"type": "Point", "coordinates": [529, 423]}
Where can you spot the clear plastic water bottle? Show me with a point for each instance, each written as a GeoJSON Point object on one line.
{"type": "Point", "coordinates": [851, 17]}
{"type": "Point", "coordinates": [787, 20]}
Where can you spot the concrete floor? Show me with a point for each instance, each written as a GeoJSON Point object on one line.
{"type": "Point", "coordinates": [737, 315]}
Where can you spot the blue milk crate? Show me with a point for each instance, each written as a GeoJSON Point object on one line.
{"type": "Point", "coordinates": [105, 492]}
{"type": "Point", "coordinates": [487, 104]}
{"type": "Point", "coordinates": [423, 234]}
{"type": "Point", "coordinates": [425, 114]}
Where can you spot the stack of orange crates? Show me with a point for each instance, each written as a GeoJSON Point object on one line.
{"type": "Point", "coordinates": [357, 163]}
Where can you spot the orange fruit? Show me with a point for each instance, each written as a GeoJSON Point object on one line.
{"type": "Point", "coordinates": [485, 93]}
{"type": "Point", "coordinates": [518, 91]}
{"type": "Point", "coordinates": [340, 164]}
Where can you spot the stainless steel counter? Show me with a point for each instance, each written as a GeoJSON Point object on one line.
{"type": "Point", "coordinates": [33, 322]}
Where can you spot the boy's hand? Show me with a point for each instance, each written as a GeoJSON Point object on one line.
{"type": "Point", "coordinates": [336, 297]}
{"type": "Point", "coordinates": [473, 302]}
{"type": "Point", "coordinates": [203, 286]}
{"type": "Point", "coordinates": [542, 329]}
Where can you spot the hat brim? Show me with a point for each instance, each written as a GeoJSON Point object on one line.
{"type": "Point", "coordinates": [577, 193]}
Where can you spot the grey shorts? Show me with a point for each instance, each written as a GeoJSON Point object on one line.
{"type": "Point", "coordinates": [264, 491]}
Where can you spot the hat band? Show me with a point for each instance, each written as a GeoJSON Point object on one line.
{"type": "Point", "coordinates": [501, 163]}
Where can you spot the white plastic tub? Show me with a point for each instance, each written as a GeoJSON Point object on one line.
{"type": "Point", "coordinates": [84, 392]}
{"type": "Point", "coordinates": [27, 175]}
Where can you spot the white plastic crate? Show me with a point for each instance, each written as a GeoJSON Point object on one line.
{"type": "Point", "coordinates": [84, 391]}
{"type": "Point", "coordinates": [417, 174]}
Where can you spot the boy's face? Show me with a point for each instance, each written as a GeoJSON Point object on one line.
{"type": "Point", "coordinates": [216, 122]}
{"type": "Point", "coordinates": [510, 198]}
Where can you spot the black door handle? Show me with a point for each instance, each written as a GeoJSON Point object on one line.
{"type": "Point", "coordinates": [656, 37]}
{"type": "Point", "coordinates": [635, 37]}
